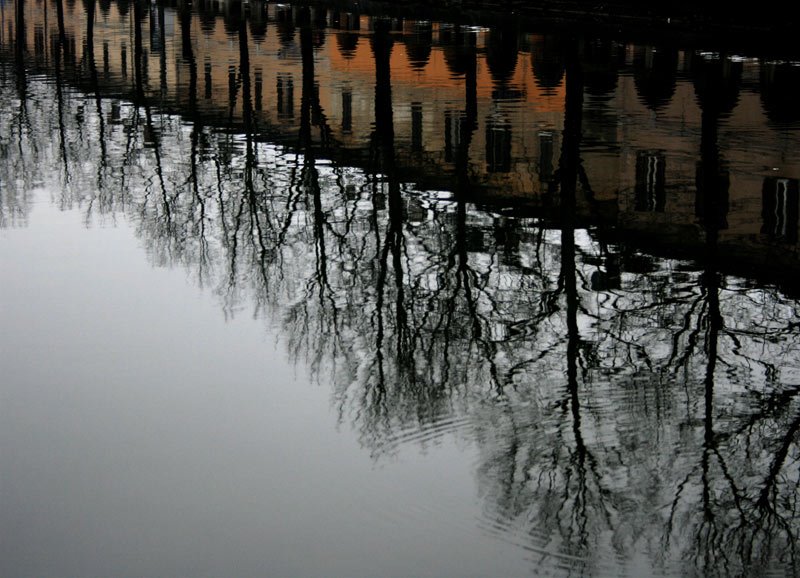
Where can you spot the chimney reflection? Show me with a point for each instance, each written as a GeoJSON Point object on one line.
{"type": "Point", "coordinates": [418, 38]}
{"type": "Point", "coordinates": [547, 62]}
{"type": "Point", "coordinates": [348, 26]}
{"type": "Point", "coordinates": [285, 24]}
{"type": "Point", "coordinates": [459, 46]}
{"type": "Point", "coordinates": [655, 75]}
{"type": "Point", "coordinates": [258, 21]}
{"type": "Point", "coordinates": [502, 48]}
{"type": "Point", "coordinates": [779, 82]}
{"type": "Point", "coordinates": [601, 60]}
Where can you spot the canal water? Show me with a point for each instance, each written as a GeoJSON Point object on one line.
{"type": "Point", "coordinates": [314, 291]}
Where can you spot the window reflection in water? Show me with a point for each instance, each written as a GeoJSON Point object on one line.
{"type": "Point", "coordinates": [780, 209]}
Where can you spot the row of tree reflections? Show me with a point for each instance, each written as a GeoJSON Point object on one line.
{"type": "Point", "coordinates": [623, 406]}
{"type": "Point", "coordinates": [656, 71]}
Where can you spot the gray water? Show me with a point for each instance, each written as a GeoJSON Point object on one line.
{"type": "Point", "coordinates": [312, 293]}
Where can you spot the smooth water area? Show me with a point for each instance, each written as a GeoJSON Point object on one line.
{"type": "Point", "coordinates": [313, 292]}
{"type": "Point", "coordinates": [143, 434]}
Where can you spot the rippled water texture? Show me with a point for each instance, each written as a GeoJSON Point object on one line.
{"type": "Point", "coordinates": [300, 291]}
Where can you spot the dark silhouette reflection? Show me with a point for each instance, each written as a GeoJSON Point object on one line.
{"type": "Point", "coordinates": [501, 57]}
{"type": "Point", "coordinates": [459, 49]}
{"type": "Point", "coordinates": [187, 51]}
{"type": "Point", "coordinates": [311, 109]}
{"type": "Point", "coordinates": [779, 84]}
{"type": "Point", "coordinates": [258, 21]}
{"type": "Point", "coordinates": [716, 83]}
{"type": "Point", "coordinates": [626, 411]}
{"type": "Point", "coordinates": [502, 48]}
{"type": "Point", "coordinates": [418, 38]}
{"type": "Point", "coordinates": [461, 124]}
{"type": "Point", "coordinates": [348, 25]}
{"type": "Point", "coordinates": [208, 17]}
{"type": "Point", "coordinates": [601, 61]}
{"type": "Point", "coordinates": [284, 22]}
{"type": "Point", "coordinates": [156, 20]}
{"type": "Point", "coordinates": [717, 80]}
{"type": "Point", "coordinates": [232, 17]}
{"type": "Point", "coordinates": [547, 61]}
{"type": "Point", "coordinates": [320, 18]}
{"type": "Point", "coordinates": [347, 42]}
{"type": "Point", "coordinates": [655, 74]}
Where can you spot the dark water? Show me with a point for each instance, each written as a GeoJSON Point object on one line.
{"type": "Point", "coordinates": [305, 292]}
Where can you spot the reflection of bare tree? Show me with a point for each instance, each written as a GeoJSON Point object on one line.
{"type": "Point", "coordinates": [560, 484]}
{"type": "Point", "coordinates": [575, 481]}
{"type": "Point", "coordinates": [740, 522]}
{"type": "Point", "coordinates": [654, 416]}
{"type": "Point", "coordinates": [13, 140]}
{"type": "Point", "coordinates": [89, 57]}
{"type": "Point", "coordinates": [318, 310]}
{"type": "Point", "coordinates": [151, 135]}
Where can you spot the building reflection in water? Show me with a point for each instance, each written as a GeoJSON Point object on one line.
{"type": "Point", "coordinates": [622, 341]}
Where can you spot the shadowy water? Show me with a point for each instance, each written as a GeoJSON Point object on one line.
{"type": "Point", "coordinates": [573, 257]}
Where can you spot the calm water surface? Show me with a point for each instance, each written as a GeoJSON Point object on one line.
{"type": "Point", "coordinates": [309, 292]}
